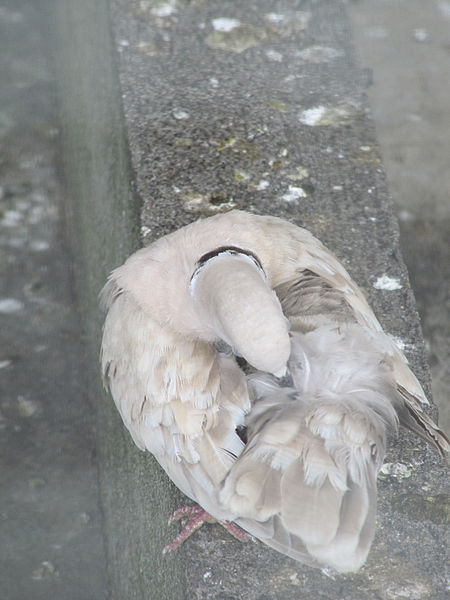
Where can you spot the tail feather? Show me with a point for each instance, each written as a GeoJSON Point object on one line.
{"type": "Point", "coordinates": [350, 546]}
{"type": "Point", "coordinates": [304, 507]}
{"type": "Point", "coordinates": [314, 450]}
{"type": "Point", "coordinates": [413, 417]}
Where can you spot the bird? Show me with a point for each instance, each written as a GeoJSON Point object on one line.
{"type": "Point", "coordinates": [242, 355]}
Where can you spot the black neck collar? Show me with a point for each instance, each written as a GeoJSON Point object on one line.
{"type": "Point", "coordinates": [233, 250]}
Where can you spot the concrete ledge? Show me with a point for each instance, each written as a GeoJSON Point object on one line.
{"type": "Point", "coordinates": [263, 109]}
{"type": "Point", "coordinates": [103, 221]}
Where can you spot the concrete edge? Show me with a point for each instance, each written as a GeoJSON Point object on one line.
{"type": "Point", "coordinates": [102, 217]}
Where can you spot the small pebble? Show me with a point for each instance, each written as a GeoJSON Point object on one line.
{"type": "Point", "coordinates": [45, 570]}
{"type": "Point", "coordinates": [10, 305]}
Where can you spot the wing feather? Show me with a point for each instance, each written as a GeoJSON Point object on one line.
{"type": "Point", "coordinates": [183, 403]}
{"type": "Point", "coordinates": [328, 300]}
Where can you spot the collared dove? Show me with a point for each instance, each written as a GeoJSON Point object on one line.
{"type": "Point", "coordinates": [289, 446]}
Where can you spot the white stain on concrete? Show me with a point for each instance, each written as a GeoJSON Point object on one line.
{"type": "Point", "coordinates": [263, 184]}
{"type": "Point", "coordinates": [11, 218]}
{"type": "Point", "coordinates": [39, 245]}
{"type": "Point", "coordinates": [329, 572]}
{"type": "Point", "coordinates": [197, 202]}
{"type": "Point", "coordinates": [312, 116]}
{"type": "Point", "coordinates": [164, 9]}
{"type": "Point", "coordinates": [45, 570]}
{"type": "Point", "coordinates": [413, 590]}
{"type": "Point", "coordinates": [298, 174]}
{"type": "Point", "coordinates": [275, 17]}
{"type": "Point", "coordinates": [240, 176]}
{"type": "Point", "coordinates": [10, 306]}
{"type": "Point", "coordinates": [328, 115]}
{"type": "Point", "coordinates": [274, 55]}
{"type": "Point", "coordinates": [180, 114]}
{"type": "Point", "coordinates": [396, 470]}
{"type": "Point", "coordinates": [294, 193]}
{"type": "Point", "coordinates": [401, 345]}
{"type": "Point", "coordinates": [421, 35]}
{"type": "Point", "coordinates": [27, 407]}
{"type": "Point", "coordinates": [387, 283]}
{"type": "Point", "coordinates": [318, 54]}
{"type": "Point", "coordinates": [225, 24]}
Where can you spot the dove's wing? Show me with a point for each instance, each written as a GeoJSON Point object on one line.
{"type": "Point", "coordinates": [320, 292]}
{"type": "Point", "coordinates": [179, 398]}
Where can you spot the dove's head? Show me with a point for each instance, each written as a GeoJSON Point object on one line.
{"type": "Point", "coordinates": [210, 293]}
{"type": "Point", "coordinates": [233, 299]}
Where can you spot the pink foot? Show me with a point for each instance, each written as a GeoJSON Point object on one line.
{"type": "Point", "coordinates": [196, 516]}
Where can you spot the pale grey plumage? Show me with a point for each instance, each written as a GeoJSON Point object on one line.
{"type": "Point", "coordinates": [305, 481]}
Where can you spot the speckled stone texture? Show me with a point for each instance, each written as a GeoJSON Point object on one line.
{"type": "Point", "coordinates": [260, 106]}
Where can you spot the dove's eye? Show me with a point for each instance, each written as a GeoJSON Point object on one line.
{"type": "Point", "coordinates": [241, 430]}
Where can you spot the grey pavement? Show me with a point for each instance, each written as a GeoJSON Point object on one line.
{"type": "Point", "coordinates": [406, 44]}
{"type": "Point", "coordinates": [182, 110]}
{"type": "Point", "coordinates": [51, 544]}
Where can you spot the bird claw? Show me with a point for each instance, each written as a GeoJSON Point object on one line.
{"type": "Point", "coordinates": [196, 516]}
{"type": "Point", "coordinates": [183, 512]}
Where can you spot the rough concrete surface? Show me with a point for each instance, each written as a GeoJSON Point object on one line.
{"type": "Point", "coordinates": [51, 544]}
{"type": "Point", "coordinates": [267, 112]}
